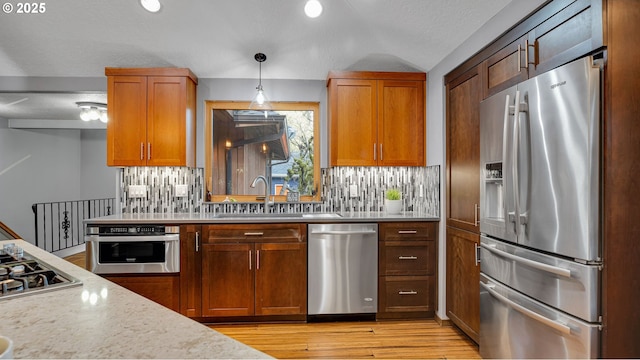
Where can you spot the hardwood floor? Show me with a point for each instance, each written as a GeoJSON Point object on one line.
{"type": "Point", "coordinates": [420, 339]}
{"type": "Point", "coordinates": [77, 259]}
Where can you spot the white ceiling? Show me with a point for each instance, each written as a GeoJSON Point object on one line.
{"type": "Point", "coordinates": [218, 39]}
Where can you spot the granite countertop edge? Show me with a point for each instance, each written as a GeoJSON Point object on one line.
{"type": "Point", "coordinates": [99, 319]}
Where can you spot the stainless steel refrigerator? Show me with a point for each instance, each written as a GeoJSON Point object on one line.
{"type": "Point", "coordinates": [539, 220]}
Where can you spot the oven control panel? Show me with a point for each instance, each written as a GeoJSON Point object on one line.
{"type": "Point", "coordinates": [131, 230]}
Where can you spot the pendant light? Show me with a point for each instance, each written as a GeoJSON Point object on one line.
{"type": "Point", "coordinates": [260, 100]}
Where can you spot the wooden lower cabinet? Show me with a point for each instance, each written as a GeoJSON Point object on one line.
{"type": "Point", "coordinates": [163, 289]}
{"type": "Point", "coordinates": [463, 281]}
{"type": "Point", "coordinates": [407, 270]}
{"type": "Point", "coordinates": [247, 270]}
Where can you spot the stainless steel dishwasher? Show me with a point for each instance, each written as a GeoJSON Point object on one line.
{"type": "Point", "coordinates": [342, 269]}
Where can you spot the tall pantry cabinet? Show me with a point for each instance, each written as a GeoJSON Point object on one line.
{"type": "Point", "coordinates": [152, 117]}
{"type": "Point", "coordinates": [557, 33]}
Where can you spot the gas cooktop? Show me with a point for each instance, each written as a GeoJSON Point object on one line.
{"type": "Point", "coordinates": [22, 274]}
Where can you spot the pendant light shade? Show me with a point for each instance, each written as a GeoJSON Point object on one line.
{"type": "Point", "coordinates": [260, 100]}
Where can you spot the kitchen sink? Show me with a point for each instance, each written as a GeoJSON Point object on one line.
{"type": "Point", "coordinates": [278, 216]}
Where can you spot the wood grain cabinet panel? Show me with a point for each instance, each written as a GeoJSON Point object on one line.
{"type": "Point", "coordinates": [190, 270]}
{"type": "Point", "coordinates": [406, 269]}
{"type": "Point", "coordinates": [161, 288]}
{"type": "Point", "coordinates": [463, 281]}
{"type": "Point", "coordinates": [463, 150]}
{"type": "Point", "coordinates": [151, 117]}
{"type": "Point", "coordinates": [253, 270]}
{"type": "Point", "coordinates": [227, 279]}
{"type": "Point", "coordinates": [376, 118]}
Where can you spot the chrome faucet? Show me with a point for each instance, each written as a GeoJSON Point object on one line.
{"type": "Point", "coordinates": [266, 191]}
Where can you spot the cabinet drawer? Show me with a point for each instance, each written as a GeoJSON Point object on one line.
{"type": "Point", "coordinates": [255, 233]}
{"type": "Point", "coordinates": [407, 258]}
{"type": "Point", "coordinates": [407, 293]}
{"type": "Point", "coordinates": [408, 231]}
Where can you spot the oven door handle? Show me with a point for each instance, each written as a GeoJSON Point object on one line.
{"type": "Point", "coordinates": [166, 237]}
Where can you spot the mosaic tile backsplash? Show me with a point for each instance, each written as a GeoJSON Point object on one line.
{"type": "Point", "coordinates": [420, 187]}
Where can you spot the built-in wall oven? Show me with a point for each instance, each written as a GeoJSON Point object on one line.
{"type": "Point", "coordinates": [127, 249]}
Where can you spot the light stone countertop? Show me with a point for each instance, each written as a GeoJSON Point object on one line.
{"type": "Point", "coordinates": [100, 319]}
{"type": "Point", "coordinates": [206, 218]}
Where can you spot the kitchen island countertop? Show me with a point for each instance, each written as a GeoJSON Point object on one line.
{"type": "Point", "coordinates": [100, 319]}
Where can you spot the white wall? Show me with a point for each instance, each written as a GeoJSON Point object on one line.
{"type": "Point", "coordinates": [436, 151]}
{"type": "Point", "coordinates": [47, 165]}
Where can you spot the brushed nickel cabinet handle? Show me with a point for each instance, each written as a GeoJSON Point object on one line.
{"type": "Point", "coordinates": [381, 152]}
{"type": "Point", "coordinates": [374, 151]}
{"type": "Point", "coordinates": [250, 259]}
{"type": "Point", "coordinates": [526, 55]}
{"type": "Point", "coordinates": [476, 207]}
{"type": "Point", "coordinates": [407, 292]}
{"type": "Point", "coordinates": [407, 231]}
{"type": "Point", "coordinates": [407, 258]}
{"type": "Point", "coordinates": [141, 151]}
{"type": "Point", "coordinates": [257, 259]}
{"type": "Point", "coordinates": [197, 241]}
{"type": "Point", "coordinates": [253, 234]}
{"type": "Point", "coordinates": [148, 151]}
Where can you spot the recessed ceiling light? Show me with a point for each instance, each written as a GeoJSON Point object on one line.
{"type": "Point", "coordinates": [313, 8]}
{"type": "Point", "coordinates": [151, 5]}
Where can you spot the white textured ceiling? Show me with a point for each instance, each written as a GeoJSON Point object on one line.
{"type": "Point", "coordinates": [218, 38]}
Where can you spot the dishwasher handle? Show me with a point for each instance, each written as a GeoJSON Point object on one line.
{"type": "Point", "coordinates": [344, 232]}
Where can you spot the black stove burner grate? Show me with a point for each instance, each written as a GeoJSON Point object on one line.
{"type": "Point", "coordinates": [22, 275]}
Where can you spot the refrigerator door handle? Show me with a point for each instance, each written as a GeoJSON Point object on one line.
{"type": "Point", "coordinates": [511, 216]}
{"type": "Point", "coordinates": [533, 264]}
{"type": "Point", "coordinates": [524, 311]}
{"type": "Point", "coordinates": [515, 150]}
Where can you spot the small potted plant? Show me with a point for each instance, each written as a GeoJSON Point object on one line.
{"type": "Point", "coordinates": [393, 201]}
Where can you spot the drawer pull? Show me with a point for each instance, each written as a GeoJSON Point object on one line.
{"type": "Point", "coordinates": [407, 258]}
{"type": "Point", "coordinates": [253, 234]}
{"type": "Point", "coordinates": [407, 292]}
{"type": "Point", "coordinates": [407, 231]}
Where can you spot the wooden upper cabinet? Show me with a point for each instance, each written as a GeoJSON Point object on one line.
{"type": "Point", "coordinates": [572, 32]}
{"type": "Point", "coordinates": [152, 117]}
{"type": "Point", "coordinates": [376, 118]}
{"type": "Point", "coordinates": [506, 67]}
{"type": "Point", "coordinates": [559, 33]}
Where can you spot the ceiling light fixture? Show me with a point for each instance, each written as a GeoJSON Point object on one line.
{"type": "Point", "coordinates": [151, 5]}
{"type": "Point", "coordinates": [260, 100]}
{"type": "Point", "coordinates": [313, 8]}
{"type": "Point", "coordinates": [92, 111]}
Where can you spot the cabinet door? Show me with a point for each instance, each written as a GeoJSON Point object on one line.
{"type": "Point", "coordinates": [463, 149]}
{"type": "Point", "coordinates": [401, 125]}
{"type": "Point", "coordinates": [190, 270]}
{"type": "Point", "coordinates": [281, 278]}
{"type": "Point", "coordinates": [167, 121]}
{"type": "Point", "coordinates": [507, 67]}
{"type": "Point", "coordinates": [463, 281]}
{"type": "Point", "coordinates": [228, 279]}
{"type": "Point", "coordinates": [163, 289]}
{"type": "Point", "coordinates": [571, 33]}
{"type": "Point", "coordinates": [353, 122]}
{"type": "Point", "coordinates": [127, 127]}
